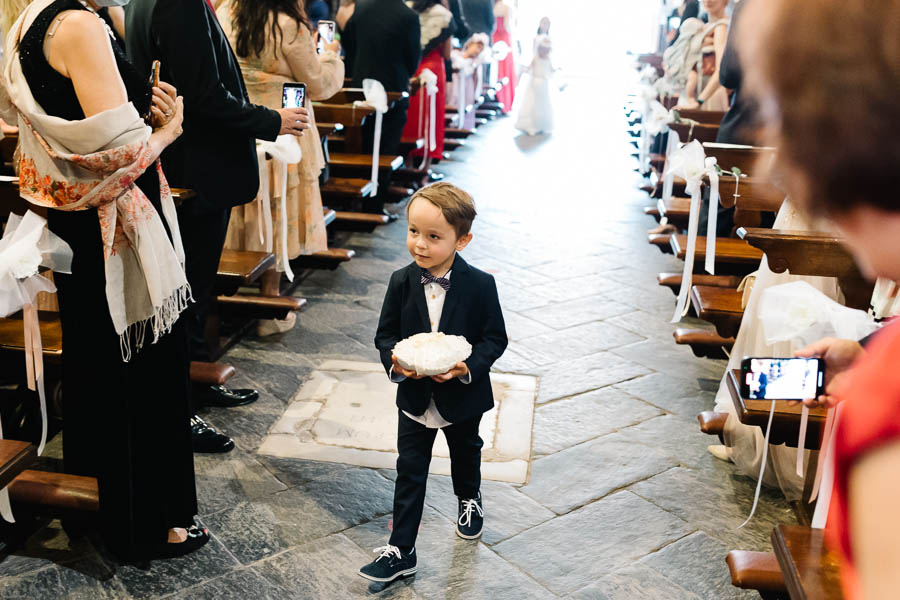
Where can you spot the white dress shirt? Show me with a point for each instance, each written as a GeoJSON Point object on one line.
{"type": "Point", "coordinates": [434, 299]}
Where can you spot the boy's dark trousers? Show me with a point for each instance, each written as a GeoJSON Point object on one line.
{"type": "Point", "coordinates": [414, 443]}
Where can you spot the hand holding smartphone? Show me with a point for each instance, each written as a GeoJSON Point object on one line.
{"type": "Point", "coordinates": [326, 35]}
{"type": "Point", "coordinates": [782, 378]}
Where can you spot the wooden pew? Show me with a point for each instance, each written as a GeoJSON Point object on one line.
{"type": "Point", "coordinates": [720, 306]}
{"type": "Point", "coordinates": [810, 570]}
{"type": "Point", "coordinates": [757, 571]}
{"type": "Point", "coordinates": [703, 343]}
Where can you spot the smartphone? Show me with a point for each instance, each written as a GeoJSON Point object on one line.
{"type": "Point", "coordinates": [293, 95]}
{"type": "Point", "coordinates": [326, 34]}
{"type": "Point", "coordinates": [782, 378]}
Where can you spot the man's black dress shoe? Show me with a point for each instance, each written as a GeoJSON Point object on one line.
{"type": "Point", "coordinates": [205, 438]}
{"type": "Point", "coordinates": [219, 395]}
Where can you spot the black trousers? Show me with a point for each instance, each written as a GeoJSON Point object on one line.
{"type": "Point", "coordinates": [414, 443]}
{"type": "Point", "coordinates": [392, 125]}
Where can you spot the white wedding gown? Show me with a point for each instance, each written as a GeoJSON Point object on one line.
{"type": "Point", "coordinates": [536, 108]}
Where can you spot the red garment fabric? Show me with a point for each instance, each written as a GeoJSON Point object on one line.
{"type": "Point", "coordinates": [417, 117]}
{"type": "Point", "coordinates": [506, 67]}
{"type": "Point", "coordinates": [869, 419]}
{"type": "Point", "coordinates": [211, 7]}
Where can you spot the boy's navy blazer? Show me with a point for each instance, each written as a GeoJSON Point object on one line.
{"type": "Point", "coordinates": [471, 309]}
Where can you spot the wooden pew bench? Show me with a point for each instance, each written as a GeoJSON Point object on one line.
{"type": "Point", "coordinates": [731, 253]}
{"type": "Point", "coordinates": [757, 571]}
{"type": "Point", "coordinates": [719, 306]}
{"type": "Point", "coordinates": [704, 343]}
{"type": "Point", "coordinates": [809, 569]}
{"type": "Point", "coordinates": [673, 280]}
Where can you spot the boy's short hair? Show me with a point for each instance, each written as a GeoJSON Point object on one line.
{"type": "Point", "coordinates": [455, 203]}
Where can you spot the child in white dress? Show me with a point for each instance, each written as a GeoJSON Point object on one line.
{"type": "Point", "coordinates": [536, 110]}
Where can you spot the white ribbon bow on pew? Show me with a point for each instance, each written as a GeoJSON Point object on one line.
{"type": "Point", "coordinates": [798, 313]}
{"type": "Point", "coordinates": [27, 245]}
{"type": "Point", "coordinates": [464, 67]}
{"type": "Point", "coordinates": [692, 164]}
{"type": "Point", "coordinates": [647, 96]}
{"type": "Point", "coordinates": [376, 97]}
{"type": "Point", "coordinates": [428, 86]}
{"type": "Point", "coordinates": [649, 75]}
{"type": "Point", "coordinates": [285, 150]}
{"type": "Point", "coordinates": [658, 121]}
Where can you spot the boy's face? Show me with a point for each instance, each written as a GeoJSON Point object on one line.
{"type": "Point", "coordinates": [431, 240]}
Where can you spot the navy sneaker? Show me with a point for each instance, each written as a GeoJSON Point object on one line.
{"type": "Point", "coordinates": [471, 518]}
{"type": "Point", "coordinates": [391, 564]}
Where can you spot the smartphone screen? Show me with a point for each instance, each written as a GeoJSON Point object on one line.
{"type": "Point", "coordinates": [326, 34]}
{"type": "Point", "coordinates": [293, 95]}
{"type": "Point", "coordinates": [782, 378]}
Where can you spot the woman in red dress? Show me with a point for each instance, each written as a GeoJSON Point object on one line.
{"type": "Point", "coordinates": [838, 139]}
{"type": "Point", "coordinates": [506, 68]}
{"type": "Point", "coordinates": [434, 19]}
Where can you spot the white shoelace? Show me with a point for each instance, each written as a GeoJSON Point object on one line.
{"type": "Point", "coordinates": [387, 551]}
{"type": "Point", "coordinates": [468, 507]}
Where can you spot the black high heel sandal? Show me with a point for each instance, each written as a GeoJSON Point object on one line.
{"type": "Point", "coordinates": [197, 537]}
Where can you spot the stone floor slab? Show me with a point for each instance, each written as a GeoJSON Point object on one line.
{"type": "Point", "coordinates": [240, 584]}
{"type": "Point", "coordinates": [575, 342]}
{"type": "Point", "coordinates": [636, 582]}
{"type": "Point", "coordinates": [223, 481]}
{"type": "Point", "coordinates": [565, 423]}
{"type": "Point", "coordinates": [678, 395]}
{"type": "Point", "coordinates": [583, 473]}
{"type": "Point", "coordinates": [697, 563]}
{"type": "Point", "coordinates": [679, 438]}
{"type": "Point", "coordinates": [585, 374]}
{"type": "Point", "coordinates": [562, 315]}
{"type": "Point", "coordinates": [577, 549]}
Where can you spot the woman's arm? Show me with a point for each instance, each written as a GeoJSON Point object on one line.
{"type": "Point", "coordinates": [80, 49]}
{"type": "Point", "coordinates": [874, 494]}
{"type": "Point", "coordinates": [323, 73]}
{"type": "Point", "coordinates": [720, 38]}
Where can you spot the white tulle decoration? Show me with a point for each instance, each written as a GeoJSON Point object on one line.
{"type": "Point", "coordinates": [432, 353]}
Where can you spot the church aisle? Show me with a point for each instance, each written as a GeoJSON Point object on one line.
{"type": "Point", "coordinates": [622, 501]}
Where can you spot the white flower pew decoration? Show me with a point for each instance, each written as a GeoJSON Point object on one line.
{"type": "Point", "coordinates": [428, 88]}
{"type": "Point", "coordinates": [284, 151]}
{"type": "Point", "coordinates": [27, 245]}
{"type": "Point", "coordinates": [376, 97]}
{"type": "Point", "coordinates": [649, 74]}
{"type": "Point", "coordinates": [798, 313]}
{"type": "Point", "coordinates": [501, 50]}
{"type": "Point", "coordinates": [646, 95]}
{"type": "Point", "coordinates": [691, 163]}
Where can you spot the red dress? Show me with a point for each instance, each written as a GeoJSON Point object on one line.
{"type": "Point", "coordinates": [506, 67]}
{"type": "Point", "coordinates": [869, 419]}
{"type": "Point", "coordinates": [419, 106]}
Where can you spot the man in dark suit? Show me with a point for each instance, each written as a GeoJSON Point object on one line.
{"type": "Point", "coordinates": [216, 156]}
{"type": "Point", "coordinates": [438, 292]}
{"type": "Point", "coordinates": [382, 42]}
{"type": "Point", "coordinates": [479, 16]}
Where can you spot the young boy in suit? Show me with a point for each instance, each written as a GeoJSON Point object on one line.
{"type": "Point", "coordinates": [421, 298]}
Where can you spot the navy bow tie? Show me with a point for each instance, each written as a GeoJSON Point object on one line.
{"type": "Point", "coordinates": [441, 281]}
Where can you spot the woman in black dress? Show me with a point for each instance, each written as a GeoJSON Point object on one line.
{"type": "Point", "coordinates": [125, 423]}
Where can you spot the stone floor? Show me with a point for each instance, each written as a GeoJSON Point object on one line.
{"type": "Point", "coordinates": [623, 501]}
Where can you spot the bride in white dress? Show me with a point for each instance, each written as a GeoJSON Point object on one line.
{"type": "Point", "coordinates": [536, 109]}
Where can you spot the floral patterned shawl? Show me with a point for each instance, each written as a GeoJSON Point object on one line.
{"type": "Point", "coordinates": [92, 164]}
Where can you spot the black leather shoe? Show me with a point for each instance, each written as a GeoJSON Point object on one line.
{"type": "Point", "coordinates": [219, 395]}
{"type": "Point", "coordinates": [197, 537]}
{"type": "Point", "coordinates": [206, 438]}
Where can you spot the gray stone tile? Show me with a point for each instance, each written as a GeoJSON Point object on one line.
{"type": "Point", "coordinates": [507, 510]}
{"type": "Point", "coordinates": [564, 423]}
{"type": "Point", "coordinates": [576, 342]}
{"type": "Point", "coordinates": [585, 266]}
{"type": "Point", "coordinates": [280, 380]}
{"type": "Point", "coordinates": [678, 395]}
{"type": "Point", "coordinates": [44, 583]}
{"type": "Point", "coordinates": [172, 575]}
{"type": "Point", "coordinates": [717, 504]}
{"type": "Point", "coordinates": [450, 567]}
{"type": "Point", "coordinates": [268, 525]}
{"type": "Point", "coordinates": [79, 585]}
{"type": "Point", "coordinates": [678, 437]}
{"type": "Point", "coordinates": [519, 327]}
{"type": "Point", "coordinates": [645, 324]}
{"type": "Point", "coordinates": [671, 359]}
{"type": "Point", "coordinates": [511, 274]}
{"type": "Point", "coordinates": [229, 479]}
{"type": "Point", "coordinates": [562, 315]}
{"type": "Point", "coordinates": [585, 374]}
{"type": "Point", "coordinates": [513, 362]}
{"type": "Point", "coordinates": [578, 475]}
{"type": "Point", "coordinates": [516, 298]}
{"type": "Point", "coordinates": [580, 287]}
{"type": "Point", "coordinates": [697, 563]}
{"type": "Point", "coordinates": [326, 568]}
{"type": "Point", "coordinates": [294, 471]}
{"type": "Point", "coordinates": [531, 354]}
{"type": "Point", "coordinates": [636, 582]}
{"type": "Point", "coordinates": [578, 549]}
{"type": "Point", "coordinates": [240, 584]}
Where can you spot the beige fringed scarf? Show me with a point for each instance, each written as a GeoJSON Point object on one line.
{"type": "Point", "coordinates": [93, 163]}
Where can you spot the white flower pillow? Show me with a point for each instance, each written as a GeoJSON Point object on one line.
{"type": "Point", "coordinates": [432, 353]}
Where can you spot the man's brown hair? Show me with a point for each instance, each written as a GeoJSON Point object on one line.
{"type": "Point", "coordinates": [455, 203]}
{"type": "Point", "coordinates": [827, 74]}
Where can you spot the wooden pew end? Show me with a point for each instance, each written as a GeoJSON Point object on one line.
{"type": "Point", "coordinates": [211, 373]}
{"type": "Point", "coordinates": [358, 221]}
{"type": "Point", "coordinates": [757, 571]}
{"type": "Point", "coordinates": [49, 493]}
{"type": "Point", "coordinates": [326, 259]}
{"type": "Point", "coordinates": [259, 307]}
{"type": "Point", "coordinates": [703, 342]}
{"type": "Point", "coordinates": [661, 241]}
{"type": "Point", "coordinates": [711, 422]}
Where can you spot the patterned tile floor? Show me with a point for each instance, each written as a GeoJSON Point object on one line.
{"type": "Point", "coordinates": [623, 500]}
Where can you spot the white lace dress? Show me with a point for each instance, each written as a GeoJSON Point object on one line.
{"type": "Point", "coordinates": [536, 109]}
